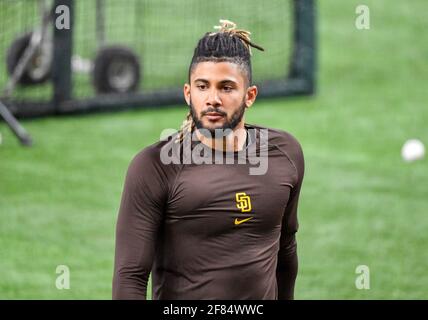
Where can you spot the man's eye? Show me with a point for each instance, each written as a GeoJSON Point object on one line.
{"type": "Point", "coordinates": [227, 89]}
{"type": "Point", "coordinates": [202, 86]}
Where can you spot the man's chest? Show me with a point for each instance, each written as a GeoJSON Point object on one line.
{"type": "Point", "coordinates": [216, 199]}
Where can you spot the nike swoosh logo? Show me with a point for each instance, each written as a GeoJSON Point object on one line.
{"type": "Point", "coordinates": [238, 221]}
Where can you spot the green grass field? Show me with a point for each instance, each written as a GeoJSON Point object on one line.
{"type": "Point", "coordinates": [360, 204]}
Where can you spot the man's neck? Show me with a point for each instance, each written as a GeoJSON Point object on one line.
{"type": "Point", "coordinates": [234, 141]}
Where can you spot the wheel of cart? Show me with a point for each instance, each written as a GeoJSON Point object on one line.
{"type": "Point", "coordinates": [38, 69]}
{"type": "Point", "coordinates": [116, 68]}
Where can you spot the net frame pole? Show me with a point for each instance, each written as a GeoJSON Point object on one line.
{"type": "Point", "coordinates": [62, 53]}
{"type": "Point", "coordinates": [303, 62]}
{"type": "Point", "coordinates": [100, 22]}
{"type": "Point", "coordinates": [15, 126]}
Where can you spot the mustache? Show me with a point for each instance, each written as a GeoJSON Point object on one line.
{"type": "Point", "coordinates": [213, 110]}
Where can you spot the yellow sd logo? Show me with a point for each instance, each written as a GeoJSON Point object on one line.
{"type": "Point", "coordinates": [243, 202]}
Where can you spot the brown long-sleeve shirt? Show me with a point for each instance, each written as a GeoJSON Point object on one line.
{"type": "Point", "coordinates": [210, 231]}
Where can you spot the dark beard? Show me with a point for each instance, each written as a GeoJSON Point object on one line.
{"type": "Point", "coordinates": [224, 130]}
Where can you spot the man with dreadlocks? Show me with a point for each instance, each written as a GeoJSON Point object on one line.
{"type": "Point", "coordinates": [212, 231]}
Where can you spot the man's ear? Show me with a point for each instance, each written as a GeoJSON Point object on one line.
{"type": "Point", "coordinates": [186, 91]}
{"type": "Point", "coordinates": [251, 95]}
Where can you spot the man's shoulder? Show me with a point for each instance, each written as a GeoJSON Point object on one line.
{"type": "Point", "coordinates": [151, 154]}
{"type": "Point", "coordinates": [284, 140]}
{"type": "Point", "coordinates": [287, 144]}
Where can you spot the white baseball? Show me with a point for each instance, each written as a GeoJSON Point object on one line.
{"type": "Point", "coordinates": [412, 150]}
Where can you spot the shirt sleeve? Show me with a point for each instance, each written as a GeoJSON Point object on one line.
{"type": "Point", "coordinates": [140, 216]}
{"type": "Point", "coordinates": [287, 266]}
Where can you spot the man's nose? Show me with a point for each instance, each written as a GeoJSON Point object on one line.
{"type": "Point", "coordinates": [213, 98]}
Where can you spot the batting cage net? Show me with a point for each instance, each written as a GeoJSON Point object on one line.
{"type": "Point", "coordinates": [134, 53]}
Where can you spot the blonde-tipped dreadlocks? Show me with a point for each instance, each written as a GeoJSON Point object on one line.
{"type": "Point", "coordinates": [230, 27]}
{"type": "Point", "coordinates": [228, 44]}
